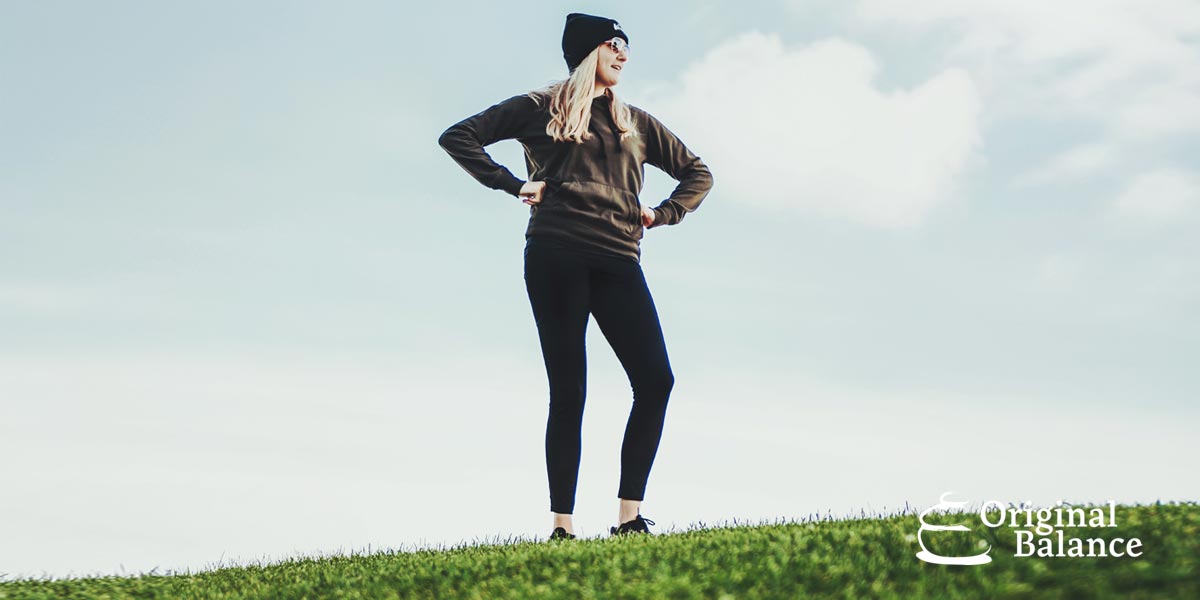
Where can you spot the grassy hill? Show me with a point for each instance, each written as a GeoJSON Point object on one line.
{"type": "Point", "coordinates": [839, 558]}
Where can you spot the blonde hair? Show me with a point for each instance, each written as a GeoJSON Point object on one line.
{"type": "Point", "coordinates": [570, 102]}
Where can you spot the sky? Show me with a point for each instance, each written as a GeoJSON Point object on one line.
{"type": "Point", "coordinates": [250, 310]}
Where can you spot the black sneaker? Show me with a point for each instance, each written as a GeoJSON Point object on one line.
{"type": "Point", "coordinates": [637, 525]}
{"type": "Point", "coordinates": [561, 534]}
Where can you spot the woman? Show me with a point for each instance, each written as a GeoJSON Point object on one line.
{"type": "Point", "coordinates": [584, 152]}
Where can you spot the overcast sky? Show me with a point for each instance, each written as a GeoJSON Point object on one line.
{"type": "Point", "coordinates": [250, 310]}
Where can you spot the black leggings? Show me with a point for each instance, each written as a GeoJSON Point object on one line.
{"type": "Point", "coordinates": [564, 286]}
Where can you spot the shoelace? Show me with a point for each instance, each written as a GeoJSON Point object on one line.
{"type": "Point", "coordinates": [628, 526]}
{"type": "Point", "coordinates": [644, 520]}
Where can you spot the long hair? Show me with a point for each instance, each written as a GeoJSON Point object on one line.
{"type": "Point", "coordinates": [570, 102]}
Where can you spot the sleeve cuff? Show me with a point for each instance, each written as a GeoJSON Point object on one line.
{"type": "Point", "coordinates": [513, 186]}
{"type": "Point", "coordinates": [660, 218]}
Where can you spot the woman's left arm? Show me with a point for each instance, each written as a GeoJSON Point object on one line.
{"type": "Point", "coordinates": [667, 152]}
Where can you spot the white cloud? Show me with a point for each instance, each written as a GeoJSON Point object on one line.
{"type": "Point", "coordinates": [1161, 110]}
{"type": "Point", "coordinates": [1130, 67]}
{"type": "Point", "coordinates": [1112, 40]}
{"type": "Point", "coordinates": [1073, 163]}
{"type": "Point", "coordinates": [805, 128]}
{"type": "Point", "coordinates": [1161, 195]}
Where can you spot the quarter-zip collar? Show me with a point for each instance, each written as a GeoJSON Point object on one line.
{"type": "Point", "coordinates": [610, 143]}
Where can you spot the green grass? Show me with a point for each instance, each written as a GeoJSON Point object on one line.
{"type": "Point", "coordinates": [839, 558]}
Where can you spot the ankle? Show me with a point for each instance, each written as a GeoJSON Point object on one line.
{"type": "Point", "coordinates": [564, 521]}
{"type": "Point", "coordinates": [628, 511]}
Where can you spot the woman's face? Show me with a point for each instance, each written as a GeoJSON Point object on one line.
{"type": "Point", "coordinates": [610, 62]}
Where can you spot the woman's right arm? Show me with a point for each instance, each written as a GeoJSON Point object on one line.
{"type": "Point", "coordinates": [464, 141]}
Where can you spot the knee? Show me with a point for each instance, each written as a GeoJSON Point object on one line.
{"type": "Point", "coordinates": [657, 382]}
{"type": "Point", "coordinates": [567, 398]}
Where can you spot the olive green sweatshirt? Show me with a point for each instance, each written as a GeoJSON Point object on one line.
{"type": "Point", "coordinates": [591, 196]}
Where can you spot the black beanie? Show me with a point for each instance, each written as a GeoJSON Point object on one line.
{"type": "Point", "coordinates": [583, 33]}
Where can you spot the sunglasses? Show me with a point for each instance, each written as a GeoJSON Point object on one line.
{"type": "Point", "coordinates": [618, 45]}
